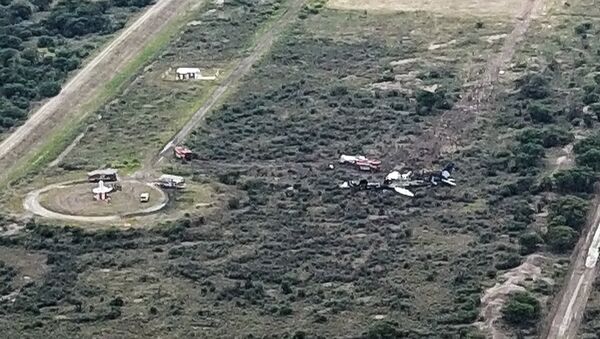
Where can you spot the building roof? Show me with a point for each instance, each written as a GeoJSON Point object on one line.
{"type": "Point", "coordinates": [106, 171]}
{"type": "Point", "coordinates": [187, 70]}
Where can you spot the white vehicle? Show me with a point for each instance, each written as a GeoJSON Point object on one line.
{"type": "Point", "coordinates": [144, 197]}
{"type": "Point", "coordinates": [171, 181]}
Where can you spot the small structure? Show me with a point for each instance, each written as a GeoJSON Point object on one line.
{"type": "Point", "coordinates": [108, 174]}
{"type": "Point", "coordinates": [185, 73]}
{"type": "Point", "coordinates": [171, 181]}
{"type": "Point", "coordinates": [193, 73]}
{"type": "Point", "coordinates": [101, 192]}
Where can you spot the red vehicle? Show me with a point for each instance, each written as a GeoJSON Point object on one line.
{"type": "Point", "coordinates": [183, 153]}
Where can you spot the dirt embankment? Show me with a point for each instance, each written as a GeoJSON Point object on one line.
{"type": "Point", "coordinates": [89, 82]}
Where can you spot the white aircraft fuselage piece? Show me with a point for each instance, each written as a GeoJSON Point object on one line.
{"type": "Point", "coordinates": [101, 191]}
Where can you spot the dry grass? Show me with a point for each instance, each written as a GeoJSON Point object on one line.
{"type": "Point", "coordinates": [448, 7]}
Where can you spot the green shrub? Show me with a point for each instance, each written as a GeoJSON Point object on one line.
{"type": "Point", "coordinates": [383, 330]}
{"type": "Point", "coordinates": [521, 309]}
{"type": "Point", "coordinates": [507, 261]}
{"type": "Point", "coordinates": [587, 144]}
{"type": "Point", "coordinates": [529, 242]}
{"type": "Point", "coordinates": [547, 137]}
{"type": "Point", "coordinates": [539, 113]}
{"type": "Point", "coordinates": [570, 210]}
{"type": "Point", "coordinates": [590, 159]}
{"type": "Point", "coordinates": [576, 180]}
{"type": "Point", "coordinates": [49, 89]}
{"type": "Point", "coordinates": [533, 86]}
{"type": "Point", "coordinates": [561, 238]}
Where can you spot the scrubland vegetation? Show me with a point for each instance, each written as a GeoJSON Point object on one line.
{"type": "Point", "coordinates": [151, 110]}
{"type": "Point", "coordinates": [42, 41]}
{"type": "Point", "coordinates": [292, 256]}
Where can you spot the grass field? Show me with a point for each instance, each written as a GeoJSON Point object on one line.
{"type": "Point", "coordinates": [458, 8]}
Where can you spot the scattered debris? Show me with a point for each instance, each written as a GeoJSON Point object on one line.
{"type": "Point", "coordinates": [431, 89]}
{"type": "Point", "coordinates": [443, 45]}
{"type": "Point", "coordinates": [403, 62]}
{"type": "Point", "coordinates": [361, 162]}
{"type": "Point", "coordinates": [401, 182]}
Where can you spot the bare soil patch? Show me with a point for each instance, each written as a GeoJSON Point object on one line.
{"type": "Point", "coordinates": [449, 7]}
{"type": "Point", "coordinates": [78, 200]}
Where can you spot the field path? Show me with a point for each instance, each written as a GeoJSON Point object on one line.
{"type": "Point", "coordinates": [89, 81]}
{"type": "Point", "coordinates": [242, 69]}
{"type": "Point", "coordinates": [447, 131]}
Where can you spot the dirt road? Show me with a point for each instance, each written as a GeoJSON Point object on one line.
{"type": "Point", "coordinates": [567, 314]}
{"type": "Point", "coordinates": [89, 81]}
{"type": "Point", "coordinates": [32, 204]}
{"type": "Point", "coordinates": [242, 69]}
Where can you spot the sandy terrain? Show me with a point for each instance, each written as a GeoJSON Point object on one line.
{"type": "Point", "coordinates": [78, 199]}
{"type": "Point", "coordinates": [447, 7]}
{"type": "Point", "coordinates": [73, 201]}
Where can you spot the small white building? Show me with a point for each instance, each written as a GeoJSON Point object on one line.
{"type": "Point", "coordinates": [185, 73]}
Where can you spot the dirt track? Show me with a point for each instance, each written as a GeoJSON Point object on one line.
{"type": "Point", "coordinates": [89, 81]}
{"type": "Point", "coordinates": [242, 69]}
{"type": "Point", "coordinates": [33, 205]}
{"type": "Point", "coordinates": [452, 126]}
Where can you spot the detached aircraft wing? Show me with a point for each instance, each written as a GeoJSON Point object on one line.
{"type": "Point", "coordinates": [404, 191]}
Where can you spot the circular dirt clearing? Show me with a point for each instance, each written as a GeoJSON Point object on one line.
{"type": "Point", "coordinates": [76, 199]}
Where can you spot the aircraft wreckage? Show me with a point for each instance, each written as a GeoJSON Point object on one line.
{"type": "Point", "coordinates": [400, 183]}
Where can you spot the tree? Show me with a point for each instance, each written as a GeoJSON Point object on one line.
{"type": "Point", "coordinates": [529, 242]}
{"type": "Point", "coordinates": [42, 5]}
{"type": "Point", "coordinates": [539, 113]}
{"type": "Point", "coordinates": [591, 142]}
{"type": "Point", "coordinates": [521, 309]}
{"type": "Point", "coordinates": [528, 155]}
{"type": "Point", "coordinates": [45, 41]}
{"type": "Point", "coordinates": [561, 238]}
{"type": "Point", "coordinates": [49, 89]}
{"type": "Point", "coordinates": [19, 11]}
{"type": "Point", "coordinates": [572, 210]}
{"type": "Point", "coordinates": [590, 159]}
{"type": "Point", "coordinates": [575, 180]}
{"type": "Point", "coordinates": [533, 86]}
{"type": "Point", "coordinates": [547, 137]}
{"type": "Point", "coordinates": [10, 41]}
{"type": "Point", "coordinates": [383, 330]}
{"type": "Point", "coordinates": [428, 100]}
